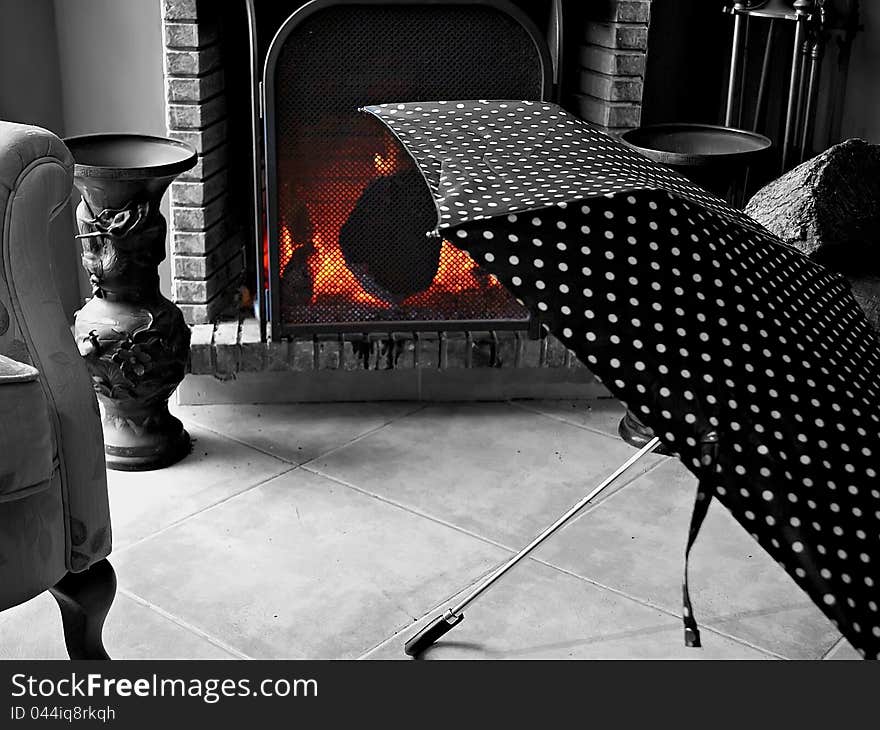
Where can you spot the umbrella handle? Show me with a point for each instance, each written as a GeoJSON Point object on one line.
{"type": "Point", "coordinates": [425, 638]}
{"type": "Point", "coordinates": [441, 625]}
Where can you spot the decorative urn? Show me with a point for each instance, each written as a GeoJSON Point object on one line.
{"type": "Point", "coordinates": [135, 341]}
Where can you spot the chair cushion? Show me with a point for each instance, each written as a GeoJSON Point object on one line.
{"type": "Point", "coordinates": [25, 432]}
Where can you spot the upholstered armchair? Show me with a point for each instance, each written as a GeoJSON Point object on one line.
{"type": "Point", "coordinates": [54, 513]}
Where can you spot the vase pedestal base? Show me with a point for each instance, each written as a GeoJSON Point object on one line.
{"type": "Point", "coordinates": [141, 439]}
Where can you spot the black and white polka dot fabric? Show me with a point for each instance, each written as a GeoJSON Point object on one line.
{"type": "Point", "coordinates": [692, 314]}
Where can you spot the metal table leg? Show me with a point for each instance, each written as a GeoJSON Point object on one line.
{"type": "Point", "coordinates": [816, 53]}
{"type": "Point", "coordinates": [735, 58]}
{"type": "Point", "coordinates": [792, 111]}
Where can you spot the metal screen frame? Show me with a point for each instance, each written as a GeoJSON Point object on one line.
{"type": "Point", "coordinates": [268, 99]}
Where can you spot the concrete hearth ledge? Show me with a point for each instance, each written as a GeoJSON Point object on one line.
{"type": "Point", "coordinates": [230, 364]}
{"type": "Point", "coordinates": [327, 386]}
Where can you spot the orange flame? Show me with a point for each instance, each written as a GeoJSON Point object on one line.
{"type": "Point", "coordinates": [332, 278]}
{"type": "Point", "coordinates": [328, 209]}
{"type": "Point", "coordinates": [384, 165]}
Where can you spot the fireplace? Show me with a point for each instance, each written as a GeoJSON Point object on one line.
{"type": "Point", "coordinates": [347, 213]}
{"type": "Point", "coordinates": [299, 239]}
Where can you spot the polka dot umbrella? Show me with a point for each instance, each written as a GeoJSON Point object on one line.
{"type": "Point", "coordinates": [751, 362]}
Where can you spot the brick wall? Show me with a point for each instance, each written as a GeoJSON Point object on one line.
{"type": "Point", "coordinates": [206, 235]}
{"type": "Point", "coordinates": [206, 239]}
{"type": "Point", "coordinates": [612, 56]}
{"type": "Point", "coordinates": [231, 348]}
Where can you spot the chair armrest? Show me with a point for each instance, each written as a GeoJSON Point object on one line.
{"type": "Point", "coordinates": [13, 371]}
{"type": "Point", "coordinates": [26, 444]}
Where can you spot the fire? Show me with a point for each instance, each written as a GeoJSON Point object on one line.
{"type": "Point", "coordinates": [456, 273]}
{"type": "Point", "coordinates": [333, 279]}
{"type": "Point", "coordinates": [309, 237]}
{"type": "Point", "coordinates": [388, 161]}
{"type": "Point", "coordinates": [384, 165]}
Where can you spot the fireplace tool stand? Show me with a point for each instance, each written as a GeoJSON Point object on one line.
{"type": "Point", "coordinates": [814, 22]}
{"type": "Point", "coordinates": [455, 615]}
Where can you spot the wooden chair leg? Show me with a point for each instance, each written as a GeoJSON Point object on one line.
{"type": "Point", "coordinates": [85, 599]}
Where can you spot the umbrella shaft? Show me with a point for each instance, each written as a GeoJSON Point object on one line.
{"type": "Point", "coordinates": [452, 613]}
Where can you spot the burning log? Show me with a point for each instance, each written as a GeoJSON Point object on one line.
{"type": "Point", "coordinates": [384, 240]}
{"type": "Point", "coordinates": [296, 244]}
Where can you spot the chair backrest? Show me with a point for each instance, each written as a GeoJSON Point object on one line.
{"type": "Point", "coordinates": [36, 179]}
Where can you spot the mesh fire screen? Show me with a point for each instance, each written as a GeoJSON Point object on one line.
{"type": "Point", "coordinates": [346, 244]}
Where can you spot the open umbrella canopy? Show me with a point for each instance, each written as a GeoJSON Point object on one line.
{"type": "Point", "coordinates": [753, 363]}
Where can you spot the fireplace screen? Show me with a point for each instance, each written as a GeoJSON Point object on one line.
{"type": "Point", "coordinates": [346, 246]}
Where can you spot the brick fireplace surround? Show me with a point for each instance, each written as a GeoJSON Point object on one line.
{"type": "Point", "coordinates": [231, 363]}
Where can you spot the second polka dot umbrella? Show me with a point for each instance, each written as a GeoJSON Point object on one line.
{"type": "Point", "coordinates": [747, 359]}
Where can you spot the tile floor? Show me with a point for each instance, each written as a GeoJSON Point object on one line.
{"type": "Point", "coordinates": [335, 531]}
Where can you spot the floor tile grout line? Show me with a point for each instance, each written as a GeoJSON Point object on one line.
{"type": "Point", "coordinates": [708, 625]}
{"type": "Point", "coordinates": [406, 508]}
{"type": "Point", "coordinates": [834, 647]}
{"type": "Point", "coordinates": [587, 509]}
{"type": "Point", "coordinates": [559, 419]}
{"type": "Point", "coordinates": [626, 485]}
{"type": "Point", "coordinates": [192, 628]}
{"type": "Point", "coordinates": [365, 434]}
{"type": "Point", "coordinates": [494, 543]}
{"type": "Point", "coordinates": [422, 405]}
{"type": "Point", "coordinates": [305, 465]}
{"type": "Point", "coordinates": [704, 625]}
{"type": "Point", "coordinates": [662, 459]}
{"type": "Point", "coordinates": [644, 603]}
{"type": "Point", "coordinates": [292, 467]}
{"type": "Point", "coordinates": [265, 452]}
{"type": "Point", "coordinates": [487, 540]}
{"type": "Point", "coordinates": [239, 441]}
{"type": "Point", "coordinates": [206, 508]}
{"type": "Point", "coordinates": [439, 606]}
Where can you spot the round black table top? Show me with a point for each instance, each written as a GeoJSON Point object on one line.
{"type": "Point", "coordinates": [696, 145]}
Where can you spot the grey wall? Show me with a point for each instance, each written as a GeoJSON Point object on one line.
{"type": "Point", "coordinates": [30, 93]}
{"type": "Point", "coordinates": [861, 116]}
{"type": "Point", "coordinates": [30, 83]}
{"type": "Point", "coordinates": [110, 54]}
{"type": "Point", "coordinates": [81, 66]}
